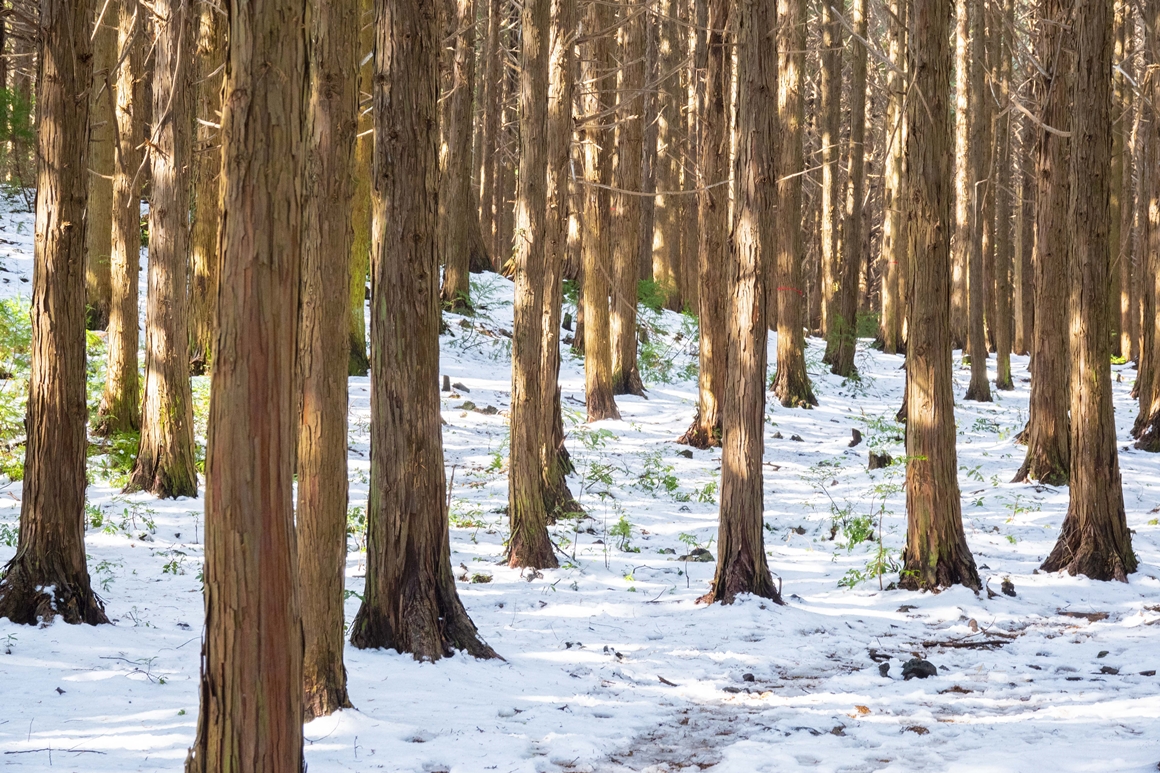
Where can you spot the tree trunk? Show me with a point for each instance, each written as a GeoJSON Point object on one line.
{"type": "Point", "coordinates": [1023, 272]}
{"type": "Point", "coordinates": [1125, 109]}
{"type": "Point", "coordinates": [713, 213]}
{"type": "Point", "coordinates": [48, 575]}
{"type": "Point", "coordinates": [741, 565]}
{"type": "Point", "coordinates": [964, 170]}
{"type": "Point", "coordinates": [650, 112]}
{"type": "Point", "coordinates": [844, 325]}
{"type": "Point", "coordinates": [529, 544]}
{"type": "Point", "coordinates": [360, 207]}
{"type": "Point", "coordinates": [791, 384]}
{"type": "Point", "coordinates": [120, 407]}
{"type": "Point", "coordinates": [207, 167]}
{"type": "Point", "coordinates": [829, 128]}
{"type": "Point", "coordinates": [666, 265]}
{"type": "Point", "coordinates": [555, 463]}
{"type": "Point", "coordinates": [410, 603]}
{"type": "Point", "coordinates": [493, 83]}
{"type": "Point", "coordinates": [98, 241]}
{"type": "Point", "coordinates": [627, 205]}
{"type": "Point", "coordinates": [251, 677]}
{"type": "Point", "coordinates": [331, 125]}
{"type": "Point", "coordinates": [936, 553]}
{"type": "Point", "coordinates": [1094, 540]}
{"type": "Point", "coordinates": [595, 223]}
{"type": "Point", "coordinates": [893, 261]}
{"type": "Point", "coordinates": [971, 210]}
{"type": "Point", "coordinates": [165, 460]}
{"type": "Point", "coordinates": [1047, 428]}
{"type": "Point", "coordinates": [1001, 324]}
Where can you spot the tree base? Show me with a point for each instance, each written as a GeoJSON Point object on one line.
{"type": "Point", "coordinates": [601, 406]}
{"type": "Point", "coordinates": [628, 383]}
{"type": "Point", "coordinates": [1089, 553]}
{"type": "Point", "coordinates": [360, 364]}
{"type": "Point", "coordinates": [322, 699]}
{"type": "Point", "coordinates": [951, 569]}
{"type": "Point", "coordinates": [739, 575]}
{"type": "Point", "coordinates": [531, 551]}
{"type": "Point", "coordinates": [31, 594]}
{"type": "Point", "coordinates": [1038, 466]}
{"type": "Point", "coordinates": [1148, 438]}
{"type": "Point", "coordinates": [979, 392]}
{"type": "Point", "coordinates": [149, 475]}
{"type": "Point", "coordinates": [701, 436]}
{"type": "Point", "coordinates": [793, 391]}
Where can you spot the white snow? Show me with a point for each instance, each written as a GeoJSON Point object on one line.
{"type": "Point", "coordinates": [610, 665]}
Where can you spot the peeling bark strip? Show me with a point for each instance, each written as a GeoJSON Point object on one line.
{"type": "Point", "coordinates": [411, 603]}
{"type": "Point", "coordinates": [936, 553]}
{"type": "Point", "coordinates": [331, 120]}
{"type": "Point", "coordinates": [250, 716]}
{"type": "Point", "coordinates": [51, 548]}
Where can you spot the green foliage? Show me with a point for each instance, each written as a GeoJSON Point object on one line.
{"type": "Point", "coordinates": [663, 357]}
{"type": "Point", "coordinates": [15, 363]}
{"type": "Point", "coordinates": [658, 476]}
{"type": "Point", "coordinates": [707, 494]}
{"type": "Point", "coordinates": [867, 324]}
{"type": "Point", "coordinates": [466, 515]}
{"type": "Point", "coordinates": [9, 534]}
{"type": "Point", "coordinates": [622, 533]}
{"type": "Point", "coordinates": [652, 294]}
{"type": "Point", "coordinates": [114, 457]}
{"type": "Point", "coordinates": [356, 527]}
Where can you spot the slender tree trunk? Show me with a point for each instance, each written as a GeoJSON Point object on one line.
{"type": "Point", "coordinates": [555, 463]}
{"type": "Point", "coordinates": [1124, 112]}
{"type": "Point", "coordinates": [411, 603]}
{"type": "Point", "coordinates": [666, 266]}
{"type": "Point", "coordinates": [1001, 324]}
{"type": "Point", "coordinates": [964, 170]}
{"type": "Point", "coordinates": [741, 565]}
{"type": "Point", "coordinates": [1024, 273]}
{"type": "Point", "coordinates": [595, 222]}
{"type": "Point", "coordinates": [165, 460]}
{"type": "Point", "coordinates": [529, 544]}
{"type": "Point", "coordinates": [331, 125]}
{"type": "Point", "coordinates": [829, 126]}
{"type": "Point", "coordinates": [694, 175]}
{"type": "Point", "coordinates": [650, 109]}
{"type": "Point", "coordinates": [120, 407]}
{"type": "Point", "coordinates": [508, 147]}
{"type": "Point", "coordinates": [251, 677]}
{"type": "Point", "coordinates": [844, 325]}
{"type": "Point", "coordinates": [1116, 178]}
{"type": "Point", "coordinates": [1047, 429]}
{"type": "Point", "coordinates": [48, 575]}
{"type": "Point", "coordinates": [1094, 540]}
{"type": "Point", "coordinates": [972, 213]}
{"type": "Point", "coordinates": [493, 110]}
{"type": "Point", "coordinates": [98, 240]}
{"type": "Point", "coordinates": [360, 208]}
{"type": "Point", "coordinates": [893, 261]}
{"type": "Point", "coordinates": [936, 553]}
{"type": "Point", "coordinates": [791, 383]}
{"type": "Point", "coordinates": [207, 167]}
{"type": "Point", "coordinates": [713, 212]}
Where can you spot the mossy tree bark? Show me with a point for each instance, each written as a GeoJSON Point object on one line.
{"type": "Point", "coordinates": [936, 553]}
{"type": "Point", "coordinates": [120, 407]}
{"type": "Point", "coordinates": [1047, 431]}
{"type": "Point", "coordinates": [48, 575]}
{"type": "Point", "coordinates": [791, 383]}
{"type": "Point", "coordinates": [165, 459]}
{"type": "Point", "coordinates": [1094, 540]}
{"type": "Point", "coordinates": [411, 603]}
{"type": "Point", "coordinates": [331, 124]}
{"type": "Point", "coordinates": [741, 564]}
{"type": "Point", "coordinates": [102, 137]}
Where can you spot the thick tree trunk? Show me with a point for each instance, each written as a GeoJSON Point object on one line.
{"type": "Point", "coordinates": [410, 603]}
{"type": "Point", "coordinates": [829, 128]}
{"type": "Point", "coordinates": [627, 206]}
{"type": "Point", "coordinates": [936, 553]}
{"type": "Point", "coordinates": [844, 325]}
{"type": "Point", "coordinates": [741, 565]}
{"type": "Point", "coordinates": [791, 383]}
{"type": "Point", "coordinates": [1094, 540]}
{"type": "Point", "coordinates": [331, 125]}
{"type": "Point", "coordinates": [595, 222]}
{"type": "Point", "coordinates": [1001, 324]}
{"type": "Point", "coordinates": [713, 213]}
{"type": "Point", "coordinates": [98, 239]}
{"type": "Point", "coordinates": [529, 544]}
{"type": "Point", "coordinates": [893, 260]}
{"type": "Point", "coordinates": [120, 407]}
{"type": "Point", "coordinates": [48, 575]}
{"type": "Point", "coordinates": [251, 677]}
{"type": "Point", "coordinates": [207, 167]}
{"type": "Point", "coordinates": [165, 460]}
{"type": "Point", "coordinates": [1047, 428]}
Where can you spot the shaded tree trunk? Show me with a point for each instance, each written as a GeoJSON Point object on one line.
{"type": "Point", "coordinates": [1001, 324]}
{"type": "Point", "coordinates": [493, 84]}
{"type": "Point", "coordinates": [893, 261]}
{"type": "Point", "coordinates": [331, 125]}
{"type": "Point", "coordinates": [972, 213]}
{"type": "Point", "coordinates": [936, 553]}
{"type": "Point", "coordinates": [1094, 540]}
{"type": "Point", "coordinates": [829, 128]}
{"type": "Point", "coordinates": [1023, 273]}
{"type": "Point", "coordinates": [964, 170]}
{"type": "Point", "coordinates": [360, 207]}
{"type": "Point", "coordinates": [411, 603]}
{"type": "Point", "coordinates": [48, 575]}
{"type": "Point", "coordinates": [791, 384]}
{"type": "Point", "coordinates": [120, 407]}
{"type": "Point", "coordinates": [98, 239]}
{"type": "Point", "coordinates": [741, 565]}
{"type": "Point", "coordinates": [666, 265]}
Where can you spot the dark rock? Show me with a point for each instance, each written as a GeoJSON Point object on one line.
{"type": "Point", "coordinates": [1112, 670]}
{"type": "Point", "coordinates": [700, 555]}
{"type": "Point", "coordinates": [1150, 672]}
{"type": "Point", "coordinates": [459, 385]}
{"type": "Point", "coordinates": [879, 461]}
{"type": "Point", "coordinates": [748, 678]}
{"type": "Point", "coordinates": [856, 438]}
{"type": "Point", "coordinates": [884, 669]}
{"type": "Point", "coordinates": [777, 435]}
{"type": "Point", "coordinates": [917, 668]}
{"type": "Point", "coordinates": [1103, 654]}
{"type": "Point", "coordinates": [796, 438]}
{"type": "Point", "coordinates": [490, 410]}
{"type": "Point", "coordinates": [686, 453]}
{"type": "Point", "coordinates": [1007, 587]}
{"type": "Point", "coordinates": [467, 406]}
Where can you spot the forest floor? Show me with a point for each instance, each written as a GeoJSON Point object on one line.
{"type": "Point", "coordinates": [610, 665]}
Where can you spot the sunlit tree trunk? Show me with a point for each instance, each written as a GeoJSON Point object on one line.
{"type": "Point", "coordinates": [666, 266]}
{"type": "Point", "coordinates": [360, 206]}
{"type": "Point", "coordinates": [165, 459]}
{"type": "Point", "coordinates": [936, 553]}
{"type": "Point", "coordinates": [964, 199]}
{"type": "Point", "coordinates": [1094, 540]}
{"type": "Point", "coordinates": [1001, 324]}
{"type": "Point", "coordinates": [410, 602]}
{"type": "Point", "coordinates": [48, 575]}
{"type": "Point", "coordinates": [102, 137]}
{"type": "Point", "coordinates": [829, 128]}
{"type": "Point", "coordinates": [972, 191]}
{"type": "Point", "coordinates": [493, 81]}
{"type": "Point", "coordinates": [893, 261]}
{"type": "Point", "coordinates": [1022, 272]}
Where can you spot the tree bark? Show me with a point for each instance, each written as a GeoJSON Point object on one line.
{"type": "Point", "coordinates": [666, 265]}
{"type": "Point", "coordinates": [791, 383]}
{"type": "Point", "coordinates": [493, 83]}
{"type": "Point", "coordinates": [893, 261]}
{"type": "Point", "coordinates": [829, 128]}
{"type": "Point", "coordinates": [165, 459]}
{"type": "Point", "coordinates": [360, 208]}
{"type": "Point", "coordinates": [964, 168]}
{"type": "Point", "coordinates": [713, 213]}
{"type": "Point", "coordinates": [120, 407]}
{"type": "Point", "coordinates": [1023, 272]}
{"type": "Point", "coordinates": [410, 603]}
{"type": "Point", "coordinates": [1001, 324]}
{"type": "Point", "coordinates": [741, 565]}
{"type": "Point", "coordinates": [1047, 429]}
{"type": "Point", "coordinates": [98, 240]}
{"type": "Point", "coordinates": [1094, 540]}
{"type": "Point", "coordinates": [331, 125]}
{"type": "Point", "coordinates": [48, 575]}
{"type": "Point", "coordinates": [971, 210]}
{"type": "Point", "coordinates": [936, 553]}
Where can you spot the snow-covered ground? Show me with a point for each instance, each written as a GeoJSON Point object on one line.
{"type": "Point", "coordinates": [610, 665]}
